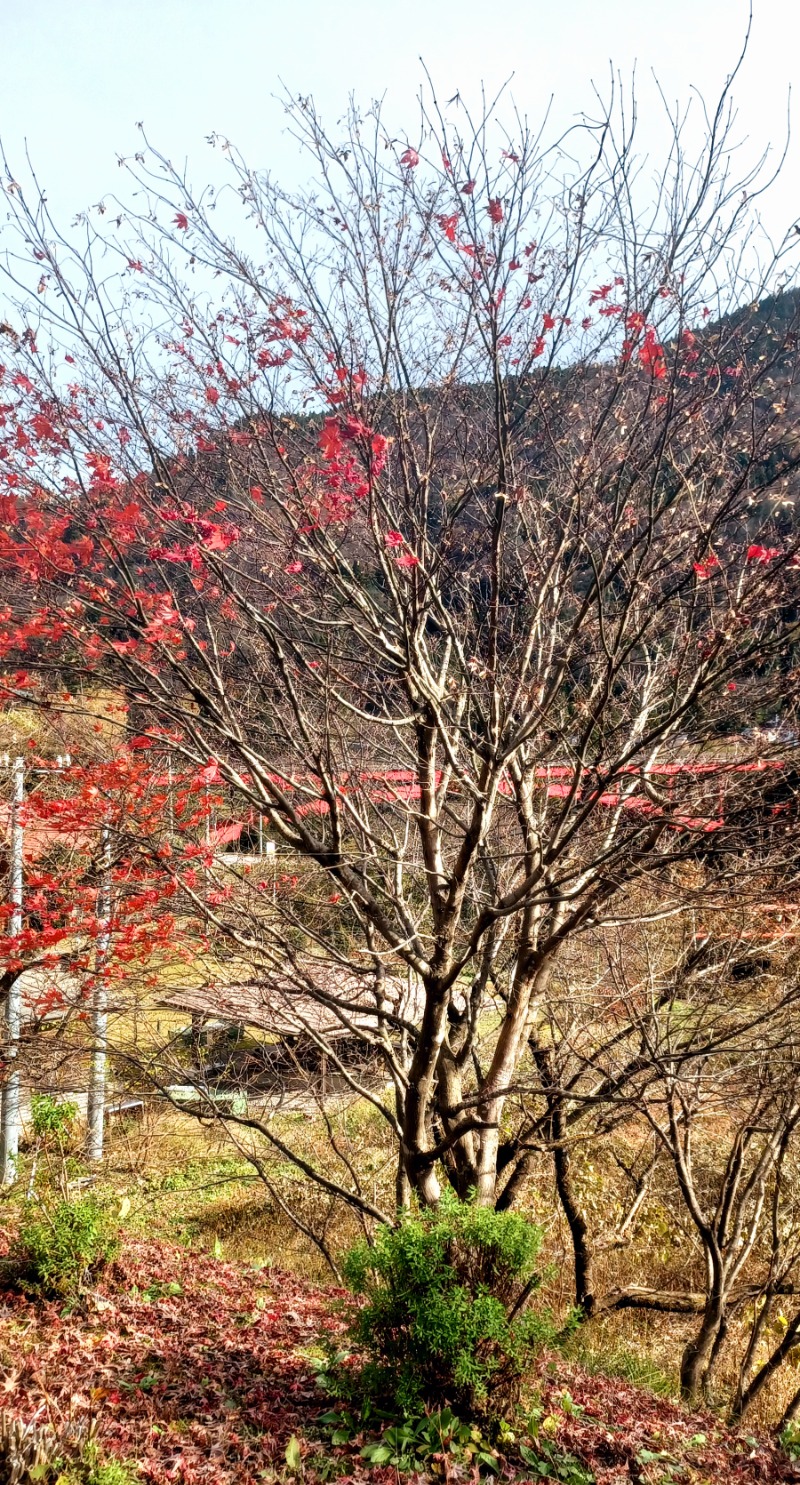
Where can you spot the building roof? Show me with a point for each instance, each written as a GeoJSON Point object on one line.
{"type": "Point", "coordinates": [319, 998]}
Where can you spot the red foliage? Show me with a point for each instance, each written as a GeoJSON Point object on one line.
{"type": "Point", "coordinates": [210, 1383]}
{"type": "Point", "coordinates": [205, 1386]}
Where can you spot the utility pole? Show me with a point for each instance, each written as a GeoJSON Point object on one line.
{"type": "Point", "coordinates": [170, 800]}
{"type": "Point", "coordinates": [96, 1101]}
{"type": "Point", "coordinates": [10, 1103]}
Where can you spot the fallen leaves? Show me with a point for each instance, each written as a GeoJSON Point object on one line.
{"type": "Point", "coordinates": [199, 1370]}
{"type": "Point", "coordinates": [176, 1362]}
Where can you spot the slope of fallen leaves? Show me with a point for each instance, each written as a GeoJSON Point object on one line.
{"type": "Point", "coordinates": [199, 1371]}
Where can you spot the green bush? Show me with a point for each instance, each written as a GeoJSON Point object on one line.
{"type": "Point", "coordinates": [57, 1253]}
{"type": "Point", "coordinates": [444, 1319]}
{"type": "Point", "coordinates": [52, 1118]}
{"type": "Point", "coordinates": [790, 1440]}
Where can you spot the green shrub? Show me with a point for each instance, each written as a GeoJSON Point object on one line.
{"type": "Point", "coordinates": [790, 1440]}
{"type": "Point", "coordinates": [51, 1118]}
{"type": "Point", "coordinates": [57, 1253]}
{"type": "Point", "coordinates": [444, 1321]}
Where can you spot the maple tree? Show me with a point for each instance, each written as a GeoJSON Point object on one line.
{"type": "Point", "coordinates": [84, 925]}
{"type": "Point", "coordinates": [447, 530]}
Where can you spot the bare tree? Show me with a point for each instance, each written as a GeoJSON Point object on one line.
{"type": "Point", "coordinates": [447, 531]}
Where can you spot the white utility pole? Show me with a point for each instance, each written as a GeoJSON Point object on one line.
{"type": "Point", "coordinates": [10, 1104]}
{"type": "Point", "coordinates": [96, 1102]}
{"type": "Point", "coordinates": [171, 801]}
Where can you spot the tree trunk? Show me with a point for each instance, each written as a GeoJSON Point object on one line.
{"type": "Point", "coordinates": [792, 1410]}
{"type": "Point", "coordinates": [96, 1098]}
{"type": "Point", "coordinates": [582, 1256]}
{"type": "Point", "coordinates": [10, 1100]}
{"type": "Point", "coordinates": [698, 1354]}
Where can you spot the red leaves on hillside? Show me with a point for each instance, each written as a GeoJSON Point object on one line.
{"type": "Point", "coordinates": [617, 1430]}
{"type": "Point", "coordinates": [206, 1385]}
{"type": "Point", "coordinates": [197, 1369]}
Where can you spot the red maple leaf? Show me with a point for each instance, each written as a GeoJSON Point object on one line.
{"type": "Point", "coordinates": [210, 774]}
{"type": "Point", "coordinates": [330, 439]}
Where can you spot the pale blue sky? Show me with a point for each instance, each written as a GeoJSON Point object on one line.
{"type": "Point", "coordinates": [77, 74]}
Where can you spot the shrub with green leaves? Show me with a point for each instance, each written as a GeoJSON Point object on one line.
{"type": "Point", "coordinates": [52, 1118]}
{"type": "Point", "coordinates": [790, 1440]}
{"type": "Point", "coordinates": [445, 1319]}
{"type": "Point", "coordinates": [57, 1253]}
